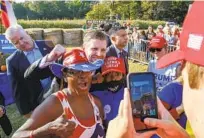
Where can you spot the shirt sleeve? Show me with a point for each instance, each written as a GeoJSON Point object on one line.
{"type": "Point", "coordinates": [44, 63]}
{"type": "Point", "coordinates": [167, 94]}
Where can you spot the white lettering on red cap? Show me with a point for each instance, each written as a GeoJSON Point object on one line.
{"type": "Point", "coordinates": [112, 63]}
{"type": "Point", "coordinates": [156, 40]}
{"type": "Point", "coordinates": [195, 41]}
{"type": "Point", "coordinates": [81, 54]}
{"type": "Point", "coordinates": [69, 60]}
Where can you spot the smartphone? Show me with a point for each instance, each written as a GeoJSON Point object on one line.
{"type": "Point", "coordinates": [143, 97]}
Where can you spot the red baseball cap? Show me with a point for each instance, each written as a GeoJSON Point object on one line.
{"type": "Point", "coordinates": [191, 39]}
{"type": "Point", "coordinates": [113, 64]}
{"type": "Point", "coordinates": [157, 42]}
{"type": "Point", "coordinates": [76, 60]}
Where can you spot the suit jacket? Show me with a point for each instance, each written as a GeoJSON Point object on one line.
{"type": "Point", "coordinates": [34, 72]}
{"type": "Point", "coordinates": [111, 51]}
{"type": "Point", "coordinates": [108, 40]}
{"type": "Point", "coordinates": [17, 63]}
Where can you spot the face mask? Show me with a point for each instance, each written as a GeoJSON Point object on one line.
{"type": "Point", "coordinates": [114, 86]}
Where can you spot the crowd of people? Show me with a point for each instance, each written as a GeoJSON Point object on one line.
{"type": "Point", "coordinates": [81, 93]}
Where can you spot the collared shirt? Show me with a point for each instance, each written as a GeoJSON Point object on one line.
{"type": "Point", "coordinates": [32, 56]}
{"type": "Point", "coordinates": [118, 51]}
{"type": "Point", "coordinates": [122, 54]}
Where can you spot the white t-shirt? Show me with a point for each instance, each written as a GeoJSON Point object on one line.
{"type": "Point", "coordinates": [162, 76]}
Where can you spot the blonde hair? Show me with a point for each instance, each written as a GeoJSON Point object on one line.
{"type": "Point", "coordinates": [180, 79]}
{"type": "Point", "coordinates": [195, 74]}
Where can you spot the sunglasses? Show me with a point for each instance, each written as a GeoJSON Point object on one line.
{"type": "Point", "coordinates": [155, 49]}
{"type": "Point", "coordinates": [71, 73]}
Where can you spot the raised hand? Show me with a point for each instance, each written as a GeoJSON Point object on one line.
{"type": "Point", "coordinates": [57, 52]}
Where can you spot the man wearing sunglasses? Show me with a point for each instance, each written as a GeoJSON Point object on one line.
{"type": "Point", "coordinates": [158, 48]}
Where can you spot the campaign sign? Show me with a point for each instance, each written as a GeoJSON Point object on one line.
{"type": "Point", "coordinates": [6, 46]}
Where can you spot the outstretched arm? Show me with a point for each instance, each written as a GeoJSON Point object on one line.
{"type": "Point", "coordinates": [37, 73]}
{"type": "Point", "coordinates": [40, 68]}
{"type": "Point", "coordinates": [47, 120]}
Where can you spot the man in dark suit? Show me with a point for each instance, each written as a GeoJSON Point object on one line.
{"type": "Point", "coordinates": [40, 70]}
{"type": "Point", "coordinates": [94, 46]}
{"type": "Point", "coordinates": [27, 93]}
{"type": "Point", "coordinates": [119, 38]}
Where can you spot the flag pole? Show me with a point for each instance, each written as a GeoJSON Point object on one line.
{"type": "Point", "coordinates": [1, 22]}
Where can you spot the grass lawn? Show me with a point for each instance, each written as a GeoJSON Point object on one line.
{"type": "Point", "coordinates": [18, 120]}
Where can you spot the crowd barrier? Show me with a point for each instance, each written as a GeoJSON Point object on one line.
{"type": "Point", "coordinates": [138, 51]}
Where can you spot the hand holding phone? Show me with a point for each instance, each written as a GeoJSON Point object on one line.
{"type": "Point", "coordinates": [143, 97]}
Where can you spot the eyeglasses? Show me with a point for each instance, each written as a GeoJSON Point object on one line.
{"type": "Point", "coordinates": [73, 73]}
{"type": "Point", "coordinates": [155, 49]}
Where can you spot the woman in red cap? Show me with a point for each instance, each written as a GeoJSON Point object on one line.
{"type": "Point", "coordinates": [72, 112]}
{"type": "Point", "coordinates": [158, 47]}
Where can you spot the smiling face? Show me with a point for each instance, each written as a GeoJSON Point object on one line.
{"type": "Point", "coordinates": [95, 49]}
{"type": "Point", "coordinates": [21, 40]}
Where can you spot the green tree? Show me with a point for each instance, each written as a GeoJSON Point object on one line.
{"type": "Point", "coordinates": [43, 9]}
{"type": "Point", "coordinates": [177, 12]}
{"type": "Point", "coordinates": [165, 10]}
{"type": "Point", "coordinates": [77, 9]}
{"type": "Point", "coordinates": [99, 11]}
{"type": "Point", "coordinates": [123, 9]}
{"type": "Point", "coordinates": [52, 9]}
{"type": "Point", "coordinates": [148, 9]}
{"type": "Point", "coordinates": [20, 10]}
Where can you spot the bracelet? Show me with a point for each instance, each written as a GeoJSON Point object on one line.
{"type": "Point", "coordinates": [31, 134]}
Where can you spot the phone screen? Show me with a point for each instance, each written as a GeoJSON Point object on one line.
{"type": "Point", "coordinates": [143, 97]}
